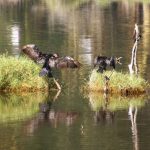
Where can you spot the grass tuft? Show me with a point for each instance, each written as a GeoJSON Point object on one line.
{"type": "Point", "coordinates": [20, 74]}
{"type": "Point", "coordinates": [119, 83]}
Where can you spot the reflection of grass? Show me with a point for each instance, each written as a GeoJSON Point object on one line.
{"type": "Point", "coordinates": [113, 103]}
{"type": "Point", "coordinates": [119, 83]}
{"type": "Point", "coordinates": [20, 75]}
{"type": "Point", "coordinates": [144, 1]}
{"type": "Point", "coordinates": [103, 3]}
{"type": "Point", "coordinates": [68, 4]}
{"type": "Point", "coordinates": [107, 2]}
{"type": "Point", "coordinates": [73, 4]}
{"type": "Point", "coordinates": [124, 103]}
{"type": "Point", "coordinates": [96, 101]}
{"type": "Point", "coordinates": [16, 107]}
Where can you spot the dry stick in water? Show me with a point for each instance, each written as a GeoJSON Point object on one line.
{"type": "Point", "coordinates": [133, 59]}
{"type": "Point", "coordinates": [134, 51]}
{"type": "Point", "coordinates": [135, 64]}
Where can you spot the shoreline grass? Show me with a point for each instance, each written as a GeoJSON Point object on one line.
{"type": "Point", "coordinates": [120, 83]}
{"type": "Point", "coordinates": [21, 74]}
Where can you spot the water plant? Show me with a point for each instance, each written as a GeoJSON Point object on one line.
{"type": "Point", "coordinates": [21, 74]}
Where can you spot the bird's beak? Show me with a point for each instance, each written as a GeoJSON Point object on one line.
{"type": "Point", "coordinates": [118, 60]}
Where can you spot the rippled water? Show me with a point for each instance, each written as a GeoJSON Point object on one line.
{"type": "Point", "coordinates": [81, 29]}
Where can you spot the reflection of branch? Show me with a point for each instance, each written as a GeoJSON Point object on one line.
{"type": "Point", "coordinates": [133, 115]}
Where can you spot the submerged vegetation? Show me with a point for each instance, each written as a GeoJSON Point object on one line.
{"type": "Point", "coordinates": [20, 74]}
{"type": "Point", "coordinates": [119, 82]}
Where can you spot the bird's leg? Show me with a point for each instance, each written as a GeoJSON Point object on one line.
{"type": "Point", "coordinates": [57, 84]}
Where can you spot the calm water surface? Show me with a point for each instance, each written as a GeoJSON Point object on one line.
{"type": "Point", "coordinates": [81, 29]}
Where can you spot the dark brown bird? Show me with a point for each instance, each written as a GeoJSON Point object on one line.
{"type": "Point", "coordinates": [49, 61]}
{"type": "Point", "coordinates": [52, 60]}
{"type": "Point", "coordinates": [104, 61]}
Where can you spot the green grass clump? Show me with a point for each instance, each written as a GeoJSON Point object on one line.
{"type": "Point", "coordinates": [20, 74]}
{"type": "Point", "coordinates": [123, 83]}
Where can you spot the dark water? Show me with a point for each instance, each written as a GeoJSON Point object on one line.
{"type": "Point", "coordinates": [81, 29]}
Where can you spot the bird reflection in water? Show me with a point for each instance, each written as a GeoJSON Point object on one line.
{"type": "Point", "coordinates": [48, 115]}
{"type": "Point", "coordinates": [104, 115]}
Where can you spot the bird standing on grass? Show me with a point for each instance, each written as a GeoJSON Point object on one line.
{"type": "Point", "coordinates": [46, 70]}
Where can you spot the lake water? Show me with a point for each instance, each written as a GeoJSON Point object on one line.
{"type": "Point", "coordinates": [82, 29]}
